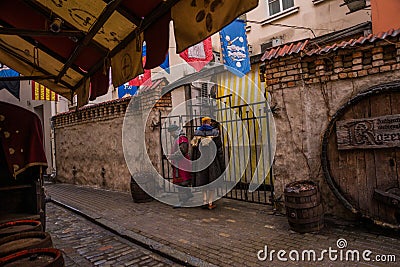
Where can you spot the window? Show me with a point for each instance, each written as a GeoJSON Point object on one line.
{"type": "Point", "coordinates": [272, 43]}
{"type": "Point", "coordinates": [265, 46]}
{"type": "Point", "coordinates": [278, 6]}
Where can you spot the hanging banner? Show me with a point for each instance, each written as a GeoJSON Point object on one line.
{"type": "Point", "coordinates": [201, 19]}
{"type": "Point", "coordinates": [12, 86]}
{"type": "Point", "coordinates": [199, 54]}
{"type": "Point", "coordinates": [126, 64]}
{"type": "Point", "coordinates": [40, 92]}
{"type": "Point", "coordinates": [165, 64]}
{"type": "Point", "coordinates": [127, 90]}
{"type": "Point", "coordinates": [235, 52]}
{"type": "Point", "coordinates": [145, 77]}
{"type": "Point", "coordinates": [22, 139]}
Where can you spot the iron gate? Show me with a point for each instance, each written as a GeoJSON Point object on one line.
{"type": "Point", "coordinates": [250, 115]}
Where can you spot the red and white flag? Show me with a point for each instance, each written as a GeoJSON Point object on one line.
{"type": "Point", "coordinates": [199, 54]}
{"type": "Point", "coordinates": [142, 79]}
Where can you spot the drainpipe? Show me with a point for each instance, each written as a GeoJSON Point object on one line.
{"type": "Point", "coordinates": [103, 175]}
{"type": "Point", "coordinates": [74, 171]}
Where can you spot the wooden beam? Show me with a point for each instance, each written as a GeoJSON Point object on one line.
{"type": "Point", "coordinates": [104, 16]}
{"type": "Point", "coordinates": [39, 8]}
{"type": "Point", "coordinates": [132, 18]}
{"type": "Point", "coordinates": [34, 43]}
{"type": "Point", "coordinates": [28, 78]}
{"type": "Point", "coordinates": [27, 32]}
{"type": "Point", "coordinates": [28, 62]}
{"type": "Point", "coordinates": [129, 16]}
{"type": "Point", "coordinates": [160, 10]}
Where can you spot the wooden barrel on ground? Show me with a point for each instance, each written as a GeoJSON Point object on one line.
{"type": "Point", "coordinates": [303, 206]}
{"type": "Point", "coordinates": [19, 226]}
{"type": "Point", "coordinates": [146, 181]}
{"type": "Point", "coordinates": [22, 241]}
{"type": "Point", "coordinates": [39, 257]}
{"type": "Point", "coordinates": [360, 154]}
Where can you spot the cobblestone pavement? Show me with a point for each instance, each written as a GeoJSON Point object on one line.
{"type": "Point", "coordinates": [87, 244]}
{"type": "Point", "coordinates": [230, 235]}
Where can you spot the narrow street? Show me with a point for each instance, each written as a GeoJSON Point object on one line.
{"type": "Point", "coordinates": [200, 133]}
{"type": "Point", "coordinates": [87, 244]}
{"type": "Point", "coordinates": [233, 234]}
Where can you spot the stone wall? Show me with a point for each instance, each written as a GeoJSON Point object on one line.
{"type": "Point", "coordinates": [88, 142]}
{"type": "Point", "coordinates": [306, 91]}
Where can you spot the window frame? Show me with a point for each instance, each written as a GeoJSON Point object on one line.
{"type": "Point", "coordinates": [277, 16]}
{"type": "Point", "coordinates": [281, 10]}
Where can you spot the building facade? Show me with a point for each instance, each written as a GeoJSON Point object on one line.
{"type": "Point", "coordinates": [385, 15]}
{"type": "Point", "coordinates": [276, 22]}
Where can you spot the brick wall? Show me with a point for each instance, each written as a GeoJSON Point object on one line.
{"type": "Point", "coordinates": [379, 57]}
{"type": "Point", "coordinates": [307, 91]}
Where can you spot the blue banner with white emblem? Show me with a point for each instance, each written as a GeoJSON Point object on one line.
{"type": "Point", "coordinates": [127, 90]}
{"type": "Point", "coordinates": [235, 52]}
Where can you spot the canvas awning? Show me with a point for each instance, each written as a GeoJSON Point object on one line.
{"type": "Point", "coordinates": [68, 45]}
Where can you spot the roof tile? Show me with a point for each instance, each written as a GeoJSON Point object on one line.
{"type": "Point", "coordinates": [354, 42]}
{"type": "Point", "coordinates": [297, 47]}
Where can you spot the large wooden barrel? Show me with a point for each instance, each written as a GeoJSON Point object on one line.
{"type": "Point", "coordinates": [361, 154]}
{"type": "Point", "coordinates": [22, 241]}
{"type": "Point", "coordinates": [303, 206]}
{"type": "Point", "coordinates": [146, 181]}
{"type": "Point", "coordinates": [19, 226]}
{"type": "Point", "coordinates": [39, 257]}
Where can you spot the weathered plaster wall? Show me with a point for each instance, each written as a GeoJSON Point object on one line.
{"type": "Point", "coordinates": [307, 91]}
{"type": "Point", "coordinates": [323, 17]}
{"type": "Point", "coordinates": [89, 147]}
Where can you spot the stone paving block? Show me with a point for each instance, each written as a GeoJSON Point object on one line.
{"type": "Point", "coordinates": [132, 262]}
{"type": "Point", "coordinates": [99, 262]}
{"type": "Point", "coordinates": [94, 253]}
{"type": "Point", "coordinates": [124, 258]}
{"type": "Point", "coordinates": [95, 259]}
{"type": "Point", "coordinates": [245, 227]}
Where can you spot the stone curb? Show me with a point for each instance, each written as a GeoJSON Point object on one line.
{"type": "Point", "coordinates": [148, 243]}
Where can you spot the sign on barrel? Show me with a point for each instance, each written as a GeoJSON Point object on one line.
{"type": "Point", "coordinates": [377, 132]}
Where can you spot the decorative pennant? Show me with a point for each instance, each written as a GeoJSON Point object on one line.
{"type": "Point", "coordinates": [127, 64]}
{"type": "Point", "coordinates": [165, 64]}
{"type": "Point", "coordinates": [201, 19]}
{"type": "Point", "coordinates": [235, 52]}
{"type": "Point", "coordinates": [12, 86]}
{"type": "Point", "coordinates": [83, 93]}
{"type": "Point", "coordinates": [99, 84]}
{"type": "Point", "coordinates": [145, 77]}
{"type": "Point", "coordinates": [23, 142]}
{"type": "Point", "coordinates": [40, 92]}
{"type": "Point", "coordinates": [127, 90]}
{"type": "Point", "coordinates": [199, 54]}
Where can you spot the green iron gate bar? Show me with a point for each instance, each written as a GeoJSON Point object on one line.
{"type": "Point", "coordinates": [252, 116]}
